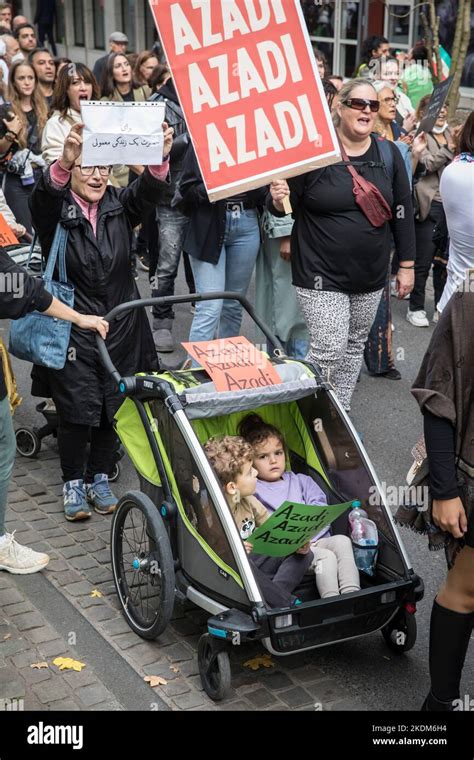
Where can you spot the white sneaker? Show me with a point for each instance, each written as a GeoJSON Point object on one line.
{"type": "Point", "coordinates": [19, 559]}
{"type": "Point", "coordinates": [418, 318]}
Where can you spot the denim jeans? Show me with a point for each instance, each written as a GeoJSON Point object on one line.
{"type": "Point", "coordinates": [172, 225]}
{"type": "Point", "coordinates": [233, 271]}
{"type": "Point", "coordinates": [7, 456]}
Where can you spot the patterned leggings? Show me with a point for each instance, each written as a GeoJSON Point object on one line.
{"type": "Point", "coordinates": [338, 325]}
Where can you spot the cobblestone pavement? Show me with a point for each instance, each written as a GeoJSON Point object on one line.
{"type": "Point", "coordinates": [26, 638]}
{"type": "Point", "coordinates": [80, 563]}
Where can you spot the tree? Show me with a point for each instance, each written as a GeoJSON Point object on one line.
{"type": "Point", "coordinates": [462, 35]}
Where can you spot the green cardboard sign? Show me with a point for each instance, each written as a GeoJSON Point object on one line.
{"type": "Point", "coordinates": [292, 525]}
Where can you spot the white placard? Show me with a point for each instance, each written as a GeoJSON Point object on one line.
{"type": "Point", "coordinates": [122, 133]}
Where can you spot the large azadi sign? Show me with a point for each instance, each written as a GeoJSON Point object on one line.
{"type": "Point", "coordinates": [247, 80]}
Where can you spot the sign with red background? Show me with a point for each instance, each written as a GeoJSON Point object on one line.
{"type": "Point", "coordinates": [248, 83]}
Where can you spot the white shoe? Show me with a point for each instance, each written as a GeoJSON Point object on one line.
{"type": "Point", "coordinates": [418, 318]}
{"type": "Point", "coordinates": [19, 559]}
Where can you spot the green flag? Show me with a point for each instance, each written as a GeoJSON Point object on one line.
{"type": "Point", "coordinates": [292, 525]}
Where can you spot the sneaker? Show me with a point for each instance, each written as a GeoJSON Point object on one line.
{"type": "Point", "coordinates": [19, 559]}
{"type": "Point", "coordinates": [163, 340]}
{"type": "Point", "coordinates": [418, 318]}
{"type": "Point", "coordinates": [100, 496]}
{"type": "Point", "coordinates": [75, 504]}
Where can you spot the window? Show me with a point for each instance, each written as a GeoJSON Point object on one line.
{"type": "Point", "coordinates": [78, 16]}
{"type": "Point", "coordinates": [334, 28]}
{"type": "Point", "coordinates": [98, 19]}
{"type": "Point", "coordinates": [128, 22]}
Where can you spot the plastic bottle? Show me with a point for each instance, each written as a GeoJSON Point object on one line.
{"type": "Point", "coordinates": [364, 535]}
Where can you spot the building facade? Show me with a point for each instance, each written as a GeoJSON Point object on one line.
{"type": "Point", "coordinates": [338, 28]}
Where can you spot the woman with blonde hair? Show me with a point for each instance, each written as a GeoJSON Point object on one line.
{"type": "Point", "coordinates": [22, 121]}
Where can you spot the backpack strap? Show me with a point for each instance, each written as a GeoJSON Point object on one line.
{"type": "Point", "coordinates": [385, 153]}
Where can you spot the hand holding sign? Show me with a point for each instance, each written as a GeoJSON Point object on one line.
{"type": "Point", "coordinates": [280, 193]}
{"type": "Point", "coordinates": [72, 148]}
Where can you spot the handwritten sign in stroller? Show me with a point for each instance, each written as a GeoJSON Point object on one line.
{"type": "Point", "coordinates": [234, 364]}
{"type": "Point", "coordinates": [248, 84]}
{"type": "Point", "coordinates": [122, 133]}
{"type": "Point", "coordinates": [292, 526]}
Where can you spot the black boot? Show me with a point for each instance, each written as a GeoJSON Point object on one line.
{"type": "Point", "coordinates": [431, 704]}
{"type": "Point", "coordinates": [449, 639]}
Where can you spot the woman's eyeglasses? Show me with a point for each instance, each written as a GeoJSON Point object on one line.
{"type": "Point", "coordinates": [358, 104]}
{"type": "Point", "coordinates": [88, 171]}
{"type": "Point", "coordinates": [391, 100]}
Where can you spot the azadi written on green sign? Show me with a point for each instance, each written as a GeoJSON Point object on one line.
{"type": "Point", "coordinates": [292, 525]}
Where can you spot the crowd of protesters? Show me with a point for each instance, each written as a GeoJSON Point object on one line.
{"type": "Point", "coordinates": [324, 274]}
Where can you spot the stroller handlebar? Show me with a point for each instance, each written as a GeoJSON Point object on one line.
{"type": "Point", "coordinates": [127, 385]}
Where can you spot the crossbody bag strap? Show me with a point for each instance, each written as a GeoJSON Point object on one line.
{"type": "Point", "coordinates": [355, 175]}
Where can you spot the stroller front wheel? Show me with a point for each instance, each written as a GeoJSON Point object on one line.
{"type": "Point", "coordinates": [142, 565]}
{"type": "Point", "coordinates": [214, 668]}
{"type": "Point", "coordinates": [400, 633]}
{"type": "Point", "coordinates": [28, 444]}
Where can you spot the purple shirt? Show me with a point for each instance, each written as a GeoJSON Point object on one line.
{"type": "Point", "coordinates": [291, 487]}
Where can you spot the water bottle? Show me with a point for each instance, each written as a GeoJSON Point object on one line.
{"type": "Point", "coordinates": [364, 537]}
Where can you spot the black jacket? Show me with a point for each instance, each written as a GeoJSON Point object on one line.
{"type": "Point", "coordinates": [174, 117]}
{"type": "Point", "coordinates": [207, 223]}
{"type": "Point", "coordinates": [20, 294]}
{"type": "Point", "coordinates": [99, 268]}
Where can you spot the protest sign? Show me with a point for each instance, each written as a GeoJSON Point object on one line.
{"type": "Point", "coordinates": [233, 363]}
{"type": "Point", "coordinates": [292, 525]}
{"type": "Point", "coordinates": [437, 101]}
{"type": "Point", "coordinates": [6, 235]}
{"type": "Point", "coordinates": [248, 84]}
{"type": "Point", "coordinates": [122, 133]}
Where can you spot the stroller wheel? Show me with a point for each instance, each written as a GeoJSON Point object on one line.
{"type": "Point", "coordinates": [115, 474]}
{"type": "Point", "coordinates": [214, 668]}
{"type": "Point", "coordinates": [400, 633]}
{"type": "Point", "coordinates": [142, 565]}
{"type": "Point", "coordinates": [27, 442]}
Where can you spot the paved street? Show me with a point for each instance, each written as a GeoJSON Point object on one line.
{"type": "Point", "coordinates": [54, 613]}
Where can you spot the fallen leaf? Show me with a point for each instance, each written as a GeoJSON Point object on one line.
{"type": "Point", "coordinates": [263, 661]}
{"type": "Point", "coordinates": [96, 593]}
{"type": "Point", "coordinates": [174, 668]}
{"type": "Point", "coordinates": [155, 681]}
{"type": "Point", "coordinates": [67, 663]}
{"type": "Point", "coordinates": [8, 636]}
{"type": "Point", "coordinates": [39, 665]}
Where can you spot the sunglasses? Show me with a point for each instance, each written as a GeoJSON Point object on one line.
{"type": "Point", "coordinates": [88, 171]}
{"type": "Point", "coordinates": [358, 104]}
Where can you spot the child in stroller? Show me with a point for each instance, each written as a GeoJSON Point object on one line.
{"type": "Point", "coordinates": [334, 565]}
{"type": "Point", "coordinates": [231, 458]}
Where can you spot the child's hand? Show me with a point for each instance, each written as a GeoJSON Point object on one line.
{"type": "Point", "coordinates": [304, 549]}
{"type": "Point", "coordinates": [248, 547]}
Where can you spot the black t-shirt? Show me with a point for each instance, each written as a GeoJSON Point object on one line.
{"type": "Point", "coordinates": [129, 97]}
{"type": "Point", "coordinates": [334, 246]}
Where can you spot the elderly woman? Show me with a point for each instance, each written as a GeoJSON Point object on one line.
{"type": "Point", "coordinates": [99, 219]}
{"type": "Point", "coordinates": [339, 258]}
{"type": "Point", "coordinates": [74, 84]}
